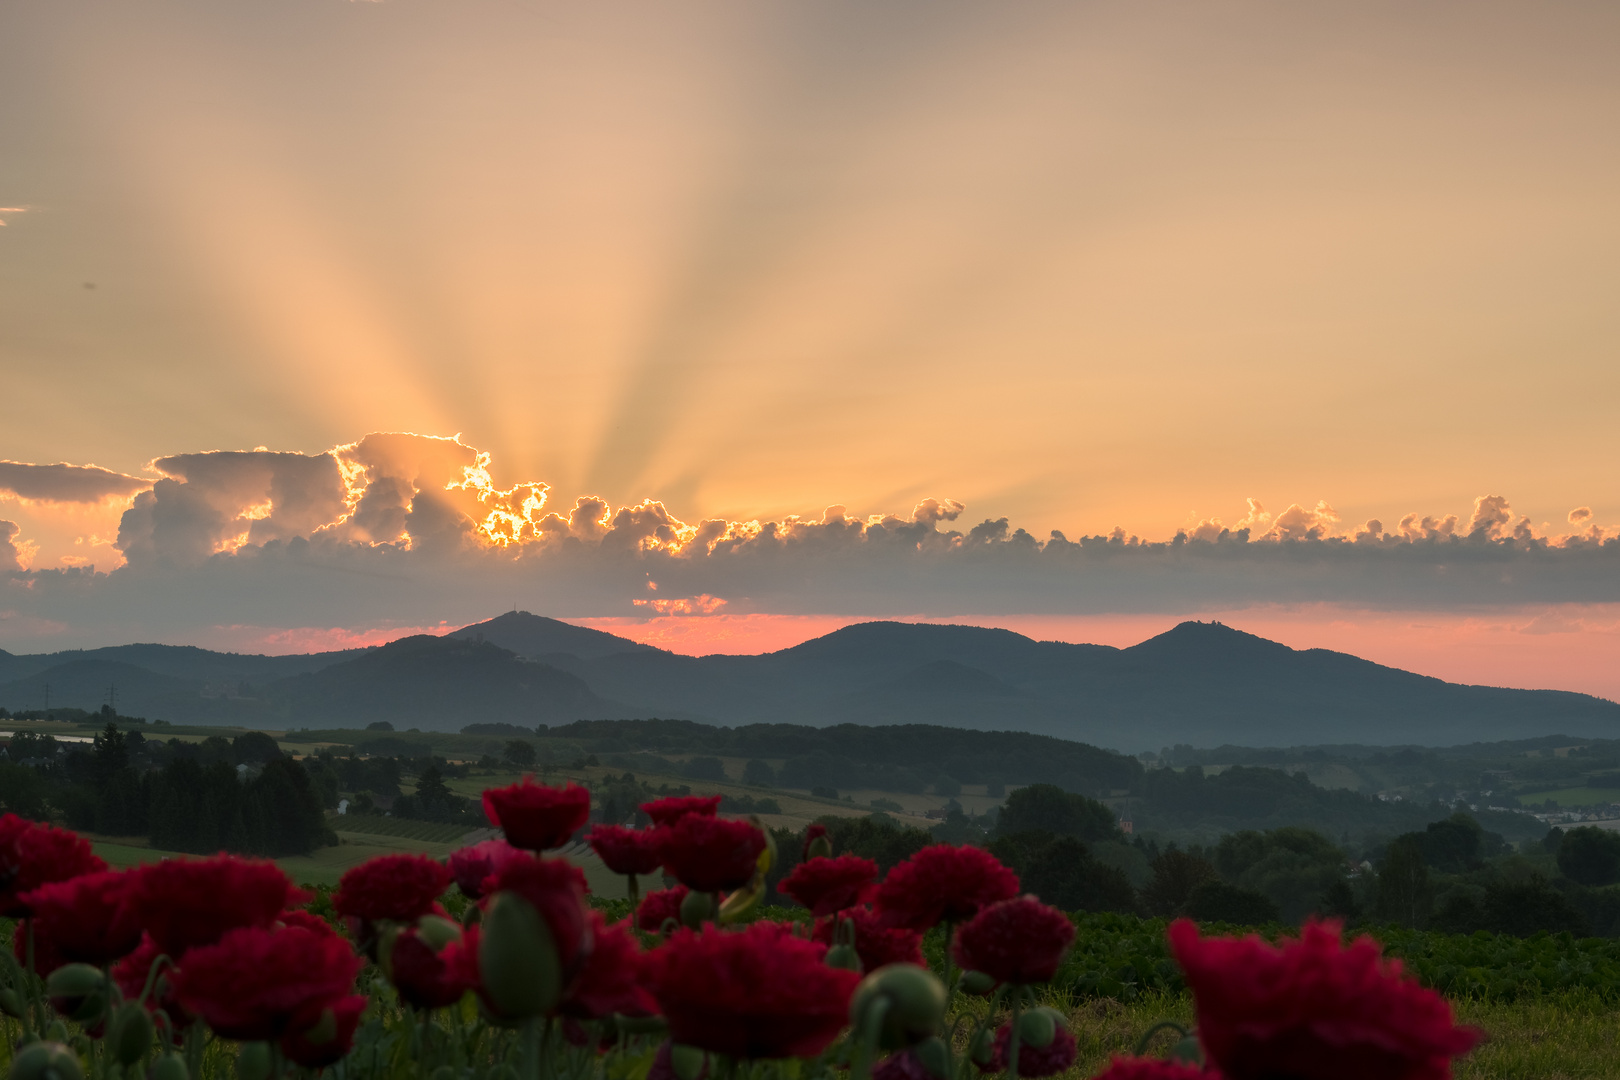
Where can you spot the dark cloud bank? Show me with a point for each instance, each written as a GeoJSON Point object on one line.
{"type": "Point", "coordinates": [407, 529]}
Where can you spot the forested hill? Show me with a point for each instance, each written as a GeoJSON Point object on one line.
{"type": "Point", "coordinates": [1200, 684]}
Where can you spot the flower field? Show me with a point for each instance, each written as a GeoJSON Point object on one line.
{"type": "Point", "coordinates": [493, 964]}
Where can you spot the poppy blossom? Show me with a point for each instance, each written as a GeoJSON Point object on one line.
{"type": "Point", "coordinates": [709, 854]}
{"type": "Point", "coordinates": [253, 982]}
{"type": "Point", "coordinates": [1015, 941]}
{"type": "Point", "coordinates": [826, 886]}
{"type": "Point", "coordinates": [471, 866]}
{"type": "Point", "coordinates": [87, 918]}
{"type": "Point", "coordinates": [877, 945]}
{"type": "Point", "coordinates": [420, 974]}
{"type": "Point", "coordinates": [33, 855]}
{"type": "Point", "coordinates": [536, 817]}
{"type": "Point", "coordinates": [668, 811]}
{"type": "Point", "coordinates": [659, 906]}
{"type": "Point", "coordinates": [625, 851]}
{"type": "Point", "coordinates": [184, 903]}
{"type": "Point", "coordinates": [943, 884]}
{"type": "Point", "coordinates": [1314, 1007]}
{"type": "Point", "coordinates": [1049, 1060]}
{"type": "Point", "coordinates": [398, 888]}
{"type": "Point", "coordinates": [611, 981]}
{"type": "Point", "coordinates": [131, 974]}
{"type": "Point", "coordinates": [323, 1034]}
{"type": "Point", "coordinates": [755, 993]}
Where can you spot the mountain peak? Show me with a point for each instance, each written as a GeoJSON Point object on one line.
{"type": "Point", "coordinates": [1194, 640]}
{"type": "Point", "coordinates": [535, 635]}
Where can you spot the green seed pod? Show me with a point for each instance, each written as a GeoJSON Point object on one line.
{"type": "Point", "coordinates": [1188, 1050]}
{"type": "Point", "coordinates": [57, 1032]}
{"type": "Point", "coordinates": [78, 992]}
{"type": "Point", "coordinates": [129, 1034]}
{"type": "Point", "coordinates": [170, 1067]}
{"type": "Point", "coordinates": [253, 1061]}
{"type": "Point", "coordinates": [976, 983]}
{"type": "Point", "coordinates": [1037, 1029]}
{"type": "Point", "coordinates": [820, 848]}
{"type": "Point", "coordinates": [844, 956]}
{"type": "Point", "coordinates": [688, 1062]}
{"type": "Point", "coordinates": [983, 1048]}
{"type": "Point", "coordinates": [436, 931]}
{"type": "Point", "coordinates": [46, 1061]}
{"type": "Point", "coordinates": [935, 1056]}
{"type": "Point", "coordinates": [697, 908]}
{"type": "Point", "coordinates": [443, 1072]}
{"type": "Point", "coordinates": [517, 958]}
{"type": "Point", "coordinates": [916, 1004]}
{"type": "Point", "coordinates": [11, 1003]}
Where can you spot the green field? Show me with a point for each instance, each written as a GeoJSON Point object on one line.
{"type": "Point", "coordinates": [1572, 797]}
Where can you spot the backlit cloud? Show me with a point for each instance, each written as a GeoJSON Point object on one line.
{"type": "Point", "coordinates": [406, 529]}
{"type": "Point", "coordinates": [61, 483]}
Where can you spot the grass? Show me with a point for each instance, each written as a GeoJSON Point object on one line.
{"type": "Point", "coordinates": [1570, 798]}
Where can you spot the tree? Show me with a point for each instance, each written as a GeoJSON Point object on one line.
{"type": "Point", "coordinates": [705, 768]}
{"type": "Point", "coordinates": [1293, 867]}
{"type": "Point", "coordinates": [1048, 808]}
{"type": "Point", "coordinates": [759, 773]}
{"type": "Point", "coordinates": [380, 725]}
{"type": "Point", "coordinates": [254, 748]}
{"type": "Point", "coordinates": [1523, 908]}
{"type": "Point", "coordinates": [519, 753]}
{"type": "Point", "coordinates": [1590, 856]}
{"type": "Point", "coordinates": [1217, 901]}
{"type": "Point", "coordinates": [1175, 875]}
{"type": "Point", "coordinates": [1404, 892]}
{"type": "Point", "coordinates": [431, 790]}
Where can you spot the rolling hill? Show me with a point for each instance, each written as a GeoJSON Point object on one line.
{"type": "Point", "coordinates": [1202, 684]}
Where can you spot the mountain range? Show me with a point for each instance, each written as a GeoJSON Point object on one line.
{"type": "Point", "coordinates": [1202, 684]}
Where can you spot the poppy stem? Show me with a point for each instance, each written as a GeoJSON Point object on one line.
{"type": "Point", "coordinates": [1012, 1038]}
{"type": "Point", "coordinates": [950, 985]}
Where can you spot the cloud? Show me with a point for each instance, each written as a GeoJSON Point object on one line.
{"type": "Point", "coordinates": [11, 557]}
{"type": "Point", "coordinates": [6, 211]}
{"type": "Point", "coordinates": [62, 483]}
{"type": "Point", "coordinates": [405, 529]}
{"type": "Point", "coordinates": [1580, 515]}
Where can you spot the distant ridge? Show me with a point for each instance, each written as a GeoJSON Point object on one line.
{"type": "Point", "coordinates": [1203, 684]}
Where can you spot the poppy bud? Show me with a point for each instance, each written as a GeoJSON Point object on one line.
{"type": "Point", "coordinates": [1037, 1028]}
{"type": "Point", "coordinates": [697, 908]}
{"type": "Point", "coordinates": [57, 1032]}
{"type": "Point", "coordinates": [844, 956]}
{"type": "Point", "coordinates": [78, 991]}
{"type": "Point", "coordinates": [46, 1061]}
{"type": "Point", "coordinates": [11, 1003]}
{"type": "Point", "coordinates": [324, 1031]}
{"type": "Point", "coordinates": [688, 1062]}
{"type": "Point", "coordinates": [1188, 1050]}
{"type": "Point", "coordinates": [976, 983]}
{"type": "Point", "coordinates": [129, 1035]}
{"type": "Point", "coordinates": [437, 931]}
{"type": "Point", "coordinates": [983, 1049]}
{"type": "Point", "coordinates": [915, 1004]}
{"type": "Point", "coordinates": [932, 1054]}
{"type": "Point", "coordinates": [517, 958]}
{"type": "Point", "coordinates": [170, 1067]}
{"type": "Point", "coordinates": [253, 1061]}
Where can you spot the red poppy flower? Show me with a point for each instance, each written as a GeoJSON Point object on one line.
{"type": "Point", "coordinates": [33, 855]}
{"type": "Point", "coordinates": [670, 810]}
{"type": "Point", "coordinates": [253, 982]}
{"type": "Point", "coordinates": [877, 945]}
{"type": "Point", "coordinates": [399, 888]}
{"type": "Point", "coordinates": [46, 958]}
{"type": "Point", "coordinates": [1122, 1068]}
{"type": "Point", "coordinates": [1314, 1007]}
{"type": "Point", "coordinates": [470, 866]}
{"type": "Point", "coordinates": [460, 959]}
{"type": "Point", "coordinates": [421, 975]}
{"type": "Point", "coordinates": [943, 884]}
{"type": "Point", "coordinates": [658, 906]}
{"type": "Point", "coordinates": [556, 888]}
{"type": "Point", "coordinates": [86, 918]}
{"type": "Point", "coordinates": [131, 974]}
{"type": "Point", "coordinates": [625, 851]}
{"type": "Point", "coordinates": [184, 903]}
{"type": "Point", "coordinates": [611, 980]}
{"type": "Point", "coordinates": [323, 1033]}
{"type": "Point", "coordinates": [827, 885]}
{"type": "Point", "coordinates": [536, 817]}
{"type": "Point", "coordinates": [1015, 941]}
{"type": "Point", "coordinates": [754, 993]}
{"type": "Point", "coordinates": [306, 920]}
{"type": "Point", "coordinates": [711, 855]}
{"type": "Point", "coordinates": [1049, 1060]}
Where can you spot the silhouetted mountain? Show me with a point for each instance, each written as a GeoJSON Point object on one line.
{"type": "Point", "coordinates": [218, 671]}
{"type": "Point", "coordinates": [538, 637]}
{"type": "Point", "coordinates": [1202, 684]}
{"type": "Point", "coordinates": [89, 682]}
{"type": "Point", "coordinates": [437, 684]}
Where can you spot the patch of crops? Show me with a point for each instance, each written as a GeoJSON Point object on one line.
{"type": "Point", "coordinates": [405, 828]}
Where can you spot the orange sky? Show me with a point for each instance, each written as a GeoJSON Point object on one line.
{"type": "Point", "coordinates": [1079, 266]}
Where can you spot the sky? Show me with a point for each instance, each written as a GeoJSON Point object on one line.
{"type": "Point", "coordinates": [721, 325]}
